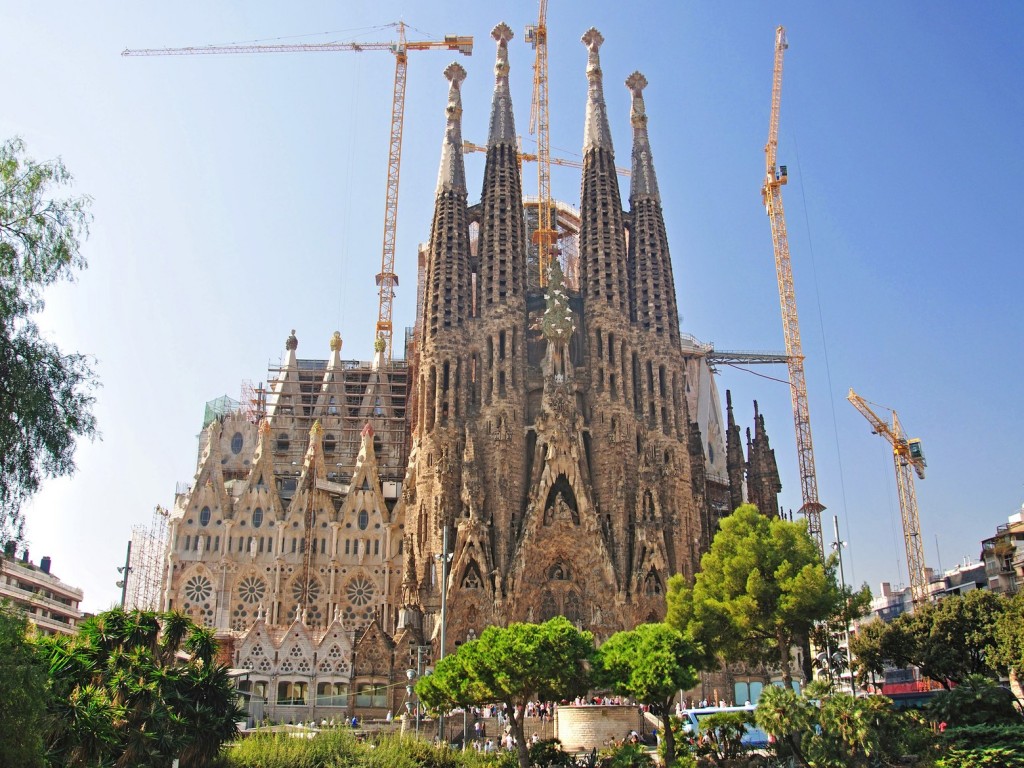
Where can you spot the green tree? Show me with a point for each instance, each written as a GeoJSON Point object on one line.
{"type": "Point", "coordinates": [129, 693]}
{"type": "Point", "coordinates": [825, 729]}
{"type": "Point", "coordinates": [22, 683]}
{"type": "Point", "coordinates": [45, 395]}
{"type": "Point", "coordinates": [1008, 652]}
{"type": "Point", "coordinates": [650, 664]}
{"type": "Point", "coordinates": [948, 641]}
{"type": "Point", "coordinates": [513, 665]}
{"type": "Point", "coordinates": [761, 586]}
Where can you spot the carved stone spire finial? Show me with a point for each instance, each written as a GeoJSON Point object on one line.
{"type": "Point", "coordinates": [502, 128]}
{"type": "Point", "coordinates": [452, 174]}
{"type": "Point", "coordinates": [643, 182]}
{"type": "Point", "coordinates": [596, 132]}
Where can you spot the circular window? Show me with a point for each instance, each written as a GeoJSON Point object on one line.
{"type": "Point", "coordinates": [237, 441]}
{"type": "Point", "coordinates": [257, 517]}
{"type": "Point", "coordinates": [360, 591]}
{"type": "Point", "coordinates": [306, 591]}
{"type": "Point", "coordinates": [252, 589]}
{"type": "Point", "coordinates": [204, 516]}
{"type": "Point", "coordinates": [364, 519]}
{"type": "Point", "coordinates": [198, 589]}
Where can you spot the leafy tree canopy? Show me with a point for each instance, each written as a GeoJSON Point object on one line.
{"type": "Point", "coordinates": [761, 585]}
{"type": "Point", "coordinates": [513, 665]}
{"type": "Point", "coordinates": [22, 681]}
{"type": "Point", "coordinates": [650, 664]}
{"type": "Point", "coordinates": [124, 696]}
{"type": "Point", "coordinates": [45, 395]}
{"type": "Point", "coordinates": [948, 641]}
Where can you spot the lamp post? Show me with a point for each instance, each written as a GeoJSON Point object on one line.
{"type": "Point", "coordinates": [838, 545]}
{"type": "Point", "coordinates": [125, 569]}
{"type": "Point", "coordinates": [412, 675]}
{"type": "Point", "coordinates": [445, 559]}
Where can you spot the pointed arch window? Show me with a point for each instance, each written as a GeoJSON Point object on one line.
{"type": "Point", "coordinates": [548, 608]}
{"type": "Point", "coordinates": [652, 584]}
{"type": "Point", "coordinates": [471, 579]}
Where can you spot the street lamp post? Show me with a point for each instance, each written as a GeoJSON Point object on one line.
{"type": "Point", "coordinates": [445, 558]}
{"type": "Point", "coordinates": [125, 569]}
{"type": "Point", "coordinates": [838, 545]}
{"type": "Point", "coordinates": [412, 675]}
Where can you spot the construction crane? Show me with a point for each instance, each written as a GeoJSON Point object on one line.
{"type": "Point", "coordinates": [387, 279]}
{"type": "Point", "coordinates": [526, 157]}
{"type": "Point", "coordinates": [771, 196]}
{"type": "Point", "coordinates": [907, 455]}
{"type": "Point", "coordinates": [545, 236]}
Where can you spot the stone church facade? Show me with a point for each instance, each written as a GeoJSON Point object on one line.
{"type": "Point", "coordinates": [535, 457]}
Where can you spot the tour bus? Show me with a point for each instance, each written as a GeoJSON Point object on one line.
{"type": "Point", "coordinates": [693, 723]}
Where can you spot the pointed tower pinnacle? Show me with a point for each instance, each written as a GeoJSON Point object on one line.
{"type": "Point", "coordinates": [503, 128]}
{"type": "Point", "coordinates": [596, 132]}
{"type": "Point", "coordinates": [643, 182]}
{"type": "Point", "coordinates": [452, 174]}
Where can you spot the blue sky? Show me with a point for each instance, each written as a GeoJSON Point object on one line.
{"type": "Point", "coordinates": [238, 197]}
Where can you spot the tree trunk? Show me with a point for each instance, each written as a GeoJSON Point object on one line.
{"type": "Point", "coordinates": [667, 735]}
{"type": "Point", "coordinates": [518, 728]}
{"type": "Point", "coordinates": [787, 675]}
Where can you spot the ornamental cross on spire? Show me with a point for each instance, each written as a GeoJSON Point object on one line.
{"type": "Point", "coordinates": [596, 132]}
{"type": "Point", "coordinates": [643, 183]}
{"type": "Point", "coordinates": [502, 127]}
{"type": "Point", "coordinates": [451, 176]}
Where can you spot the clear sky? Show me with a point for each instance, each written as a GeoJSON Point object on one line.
{"type": "Point", "coordinates": [238, 197]}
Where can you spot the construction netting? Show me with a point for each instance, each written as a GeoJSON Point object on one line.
{"type": "Point", "coordinates": [220, 406]}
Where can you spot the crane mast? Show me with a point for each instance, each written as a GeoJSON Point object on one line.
{"type": "Point", "coordinates": [908, 458]}
{"type": "Point", "coordinates": [545, 236]}
{"type": "Point", "coordinates": [387, 279]}
{"type": "Point", "coordinates": [771, 195]}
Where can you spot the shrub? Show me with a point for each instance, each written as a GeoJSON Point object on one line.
{"type": "Point", "coordinates": [978, 701]}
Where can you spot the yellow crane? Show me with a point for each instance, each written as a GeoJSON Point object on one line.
{"type": "Point", "coordinates": [469, 146]}
{"type": "Point", "coordinates": [387, 279]}
{"type": "Point", "coordinates": [771, 196]}
{"type": "Point", "coordinates": [545, 236]}
{"type": "Point", "coordinates": [907, 456]}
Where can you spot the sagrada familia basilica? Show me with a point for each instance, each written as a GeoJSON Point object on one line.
{"type": "Point", "coordinates": [548, 447]}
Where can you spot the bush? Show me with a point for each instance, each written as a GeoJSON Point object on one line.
{"type": "Point", "coordinates": [978, 701]}
{"type": "Point", "coordinates": [625, 756]}
{"type": "Point", "coordinates": [977, 746]}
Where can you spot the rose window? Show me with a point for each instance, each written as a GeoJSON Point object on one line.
{"type": "Point", "coordinates": [360, 591]}
{"type": "Point", "coordinates": [305, 592]}
{"type": "Point", "coordinates": [252, 589]}
{"type": "Point", "coordinates": [198, 589]}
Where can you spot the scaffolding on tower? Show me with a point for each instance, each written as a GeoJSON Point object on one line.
{"type": "Point", "coordinates": [146, 569]}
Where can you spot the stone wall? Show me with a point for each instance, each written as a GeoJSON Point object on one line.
{"type": "Point", "coordinates": [581, 729]}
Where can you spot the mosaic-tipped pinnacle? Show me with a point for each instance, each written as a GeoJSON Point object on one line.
{"type": "Point", "coordinates": [636, 83]}
{"type": "Point", "coordinates": [502, 33]}
{"type": "Point", "coordinates": [455, 73]}
{"type": "Point", "coordinates": [592, 39]}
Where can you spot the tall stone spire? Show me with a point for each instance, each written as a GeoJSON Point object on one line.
{"type": "Point", "coordinates": [643, 184]}
{"type": "Point", "coordinates": [734, 463]}
{"type": "Point", "coordinates": [763, 483]}
{"type": "Point", "coordinates": [446, 295]}
{"type": "Point", "coordinates": [503, 128]}
{"type": "Point", "coordinates": [603, 279]}
{"type": "Point", "coordinates": [595, 132]}
{"type": "Point", "coordinates": [654, 293]}
{"type": "Point", "coordinates": [452, 174]}
{"type": "Point", "coordinates": [502, 242]}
